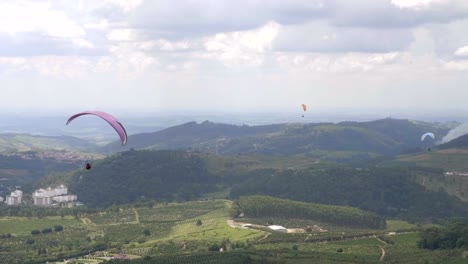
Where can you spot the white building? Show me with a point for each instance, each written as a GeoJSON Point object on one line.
{"type": "Point", "coordinates": [15, 198]}
{"type": "Point", "coordinates": [42, 197]}
{"type": "Point", "coordinates": [1, 199]}
{"type": "Point", "coordinates": [278, 228]}
{"type": "Point", "coordinates": [60, 190]}
{"type": "Point", "coordinates": [47, 197]}
{"type": "Point", "coordinates": [65, 198]}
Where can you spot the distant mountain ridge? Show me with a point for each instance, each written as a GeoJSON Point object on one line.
{"type": "Point", "coordinates": [11, 142]}
{"type": "Point", "coordinates": [385, 136]}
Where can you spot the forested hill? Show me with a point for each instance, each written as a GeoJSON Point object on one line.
{"type": "Point", "coordinates": [386, 136]}
{"type": "Point", "coordinates": [386, 191]}
{"type": "Point", "coordinates": [134, 175]}
{"type": "Point", "coordinates": [266, 206]}
{"type": "Point", "coordinates": [194, 135]}
{"type": "Point", "coordinates": [178, 176]}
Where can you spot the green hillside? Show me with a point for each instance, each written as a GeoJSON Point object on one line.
{"type": "Point", "coordinates": [179, 176]}
{"type": "Point", "coordinates": [346, 141]}
{"type": "Point", "coordinates": [24, 168]}
{"type": "Point", "coordinates": [267, 206]}
{"type": "Point", "coordinates": [392, 192]}
{"type": "Point", "coordinates": [133, 175]}
{"type": "Point", "coordinates": [453, 164]}
{"type": "Point", "coordinates": [194, 232]}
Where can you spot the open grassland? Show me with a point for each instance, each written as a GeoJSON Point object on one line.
{"type": "Point", "coordinates": [405, 250]}
{"type": "Point", "coordinates": [448, 159]}
{"type": "Point", "coordinates": [395, 225]}
{"type": "Point", "coordinates": [364, 248]}
{"type": "Point", "coordinates": [23, 225]}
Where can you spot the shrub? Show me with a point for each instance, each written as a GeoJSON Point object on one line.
{"type": "Point", "coordinates": [46, 230]}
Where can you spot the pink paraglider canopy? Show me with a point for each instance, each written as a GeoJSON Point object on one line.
{"type": "Point", "coordinates": [109, 119]}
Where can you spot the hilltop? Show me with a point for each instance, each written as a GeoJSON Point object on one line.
{"type": "Point", "coordinates": [345, 141]}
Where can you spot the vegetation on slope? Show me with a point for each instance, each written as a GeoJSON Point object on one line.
{"type": "Point", "coordinates": [454, 235]}
{"type": "Point", "coordinates": [390, 192]}
{"type": "Point", "coordinates": [261, 206]}
{"type": "Point", "coordinates": [387, 136]}
{"type": "Point", "coordinates": [136, 175]}
{"type": "Point", "coordinates": [179, 176]}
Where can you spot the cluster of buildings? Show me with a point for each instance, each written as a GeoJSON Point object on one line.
{"type": "Point", "coordinates": [16, 197]}
{"type": "Point", "coordinates": [44, 197]}
{"type": "Point", "coordinates": [53, 196]}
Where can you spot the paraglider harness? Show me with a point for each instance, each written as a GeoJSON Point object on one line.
{"type": "Point", "coordinates": [88, 164]}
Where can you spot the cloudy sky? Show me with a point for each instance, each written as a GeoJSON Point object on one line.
{"type": "Point", "coordinates": [243, 55]}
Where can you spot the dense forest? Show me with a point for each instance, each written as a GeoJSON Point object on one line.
{"type": "Point", "coordinates": [387, 191]}
{"type": "Point", "coordinates": [383, 137]}
{"type": "Point", "coordinates": [266, 206]}
{"type": "Point", "coordinates": [133, 176]}
{"type": "Point", "coordinates": [137, 175]}
{"type": "Point", "coordinates": [454, 235]}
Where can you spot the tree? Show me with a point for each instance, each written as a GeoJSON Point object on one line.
{"type": "Point", "coordinates": [35, 232]}
{"type": "Point", "coordinates": [214, 247]}
{"type": "Point", "coordinates": [58, 228]}
{"type": "Point", "coordinates": [46, 230]}
{"type": "Point", "coordinates": [199, 222]}
{"type": "Point", "coordinates": [146, 232]}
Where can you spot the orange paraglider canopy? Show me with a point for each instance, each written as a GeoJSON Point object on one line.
{"type": "Point", "coordinates": [304, 107]}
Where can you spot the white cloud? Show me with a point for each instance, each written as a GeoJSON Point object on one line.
{"type": "Point", "coordinates": [417, 3]}
{"type": "Point", "coordinates": [462, 52]}
{"type": "Point", "coordinates": [70, 67]}
{"type": "Point", "coordinates": [166, 45]}
{"type": "Point", "coordinates": [102, 24]}
{"type": "Point", "coordinates": [370, 52]}
{"type": "Point", "coordinates": [82, 43]}
{"type": "Point", "coordinates": [336, 63]}
{"type": "Point", "coordinates": [26, 16]}
{"type": "Point", "coordinates": [126, 61]}
{"type": "Point", "coordinates": [125, 5]}
{"type": "Point", "coordinates": [456, 66]}
{"type": "Point", "coordinates": [320, 36]}
{"type": "Point", "coordinates": [120, 35]}
{"type": "Point", "coordinates": [243, 48]}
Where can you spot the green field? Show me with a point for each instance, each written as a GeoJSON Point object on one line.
{"type": "Point", "coordinates": [395, 225]}
{"type": "Point", "coordinates": [447, 159]}
{"type": "Point", "coordinates": [186, 232]}
{"type": "Point", "coordinates": [24, 226]}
